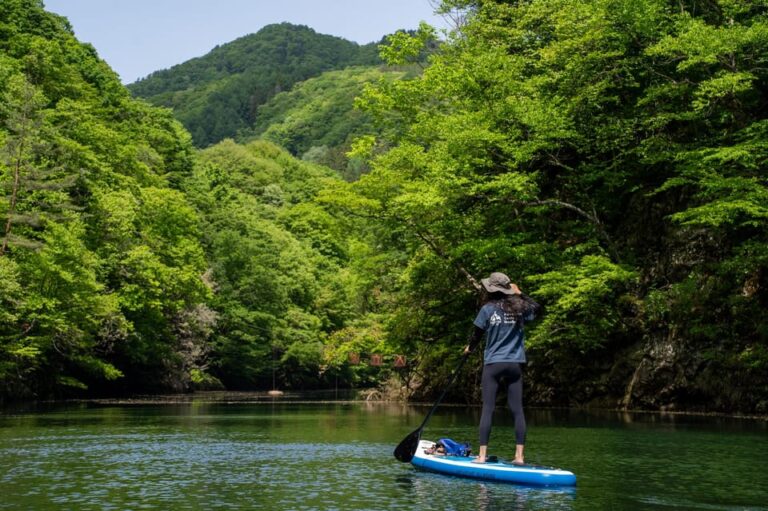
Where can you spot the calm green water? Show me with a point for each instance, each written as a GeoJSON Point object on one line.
{"type": "Point", "coordinates": [220, 452]}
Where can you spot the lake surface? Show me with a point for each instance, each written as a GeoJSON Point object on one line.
{"type": "Point", "coordinates": [246, 451]}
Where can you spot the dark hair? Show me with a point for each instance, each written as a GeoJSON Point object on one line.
{"type": "Point", "coordinates": [512, 304]}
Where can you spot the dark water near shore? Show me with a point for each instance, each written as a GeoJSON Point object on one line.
{"type": "Point", "coordinates": [245, 451]}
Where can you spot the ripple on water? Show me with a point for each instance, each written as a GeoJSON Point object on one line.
{"type": "Point", "coordinates": [178, 472]}
{"type": "Point", "coordinates": [340, 458]}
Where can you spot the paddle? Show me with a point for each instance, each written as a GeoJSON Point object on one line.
{"type": "Point", "coordinates": [407, 448]}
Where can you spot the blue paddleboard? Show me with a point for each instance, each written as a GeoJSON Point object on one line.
{"type": "Point", "coordinates": [463, 466]}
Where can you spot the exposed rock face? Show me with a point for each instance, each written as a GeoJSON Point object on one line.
{"type": "Point", "coordinates": [662, 371]}
{"type": "Point", "coordinates": [663, 375]}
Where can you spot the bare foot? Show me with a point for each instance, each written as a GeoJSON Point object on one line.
{"type": "Point", "coordinates": [478, 459]}
{"type": "Point", "coordinates": [518, 462]}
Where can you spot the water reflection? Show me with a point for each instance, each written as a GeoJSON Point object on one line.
{"type": "Point", "coordinates": [430, 490]}
{"type": "Point", "coordinates": [244, 451]}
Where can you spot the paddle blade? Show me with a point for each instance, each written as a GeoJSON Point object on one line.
{"type": "Point", "coordinates": [407, 448]}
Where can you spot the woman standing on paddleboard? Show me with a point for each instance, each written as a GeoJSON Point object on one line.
{"type": "Point", "coordinates": [501, 321]}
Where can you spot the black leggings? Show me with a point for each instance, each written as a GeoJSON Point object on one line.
{"type": "Point", "coordinates": [492, 376]}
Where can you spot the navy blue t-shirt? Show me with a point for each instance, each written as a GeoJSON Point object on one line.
{"type": "Point", "coordinates": [504, 337]}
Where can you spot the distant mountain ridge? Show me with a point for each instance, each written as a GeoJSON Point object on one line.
{"type": "Point", "coordinates": [218, 94]}
{"type": "Point", "coordinates": [317, 120]}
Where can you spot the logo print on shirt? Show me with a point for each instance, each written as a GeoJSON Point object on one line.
{"type": "Point", "coordinates": [495, 319]}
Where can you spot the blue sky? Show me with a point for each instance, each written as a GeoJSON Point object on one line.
{"type": "Point", "coordinates": [137, 37]}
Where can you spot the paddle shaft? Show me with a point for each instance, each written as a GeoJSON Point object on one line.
{"type": "Point", "coordinates": [456, 371]}
{"type": "Point", "coordinates": [406, 449]}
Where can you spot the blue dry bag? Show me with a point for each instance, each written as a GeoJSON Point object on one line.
{"type": "Point", "coordinates": [453, 448]}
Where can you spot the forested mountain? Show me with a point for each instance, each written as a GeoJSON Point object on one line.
{"type": "Point", "coordinates": [317, 119]}
{"type": "Point", "coordinates": [609, 155]}
{"type": "Point", "coordinates": [217, 95]}
{"type": "Point", "coordinates": [278, 262]}
{"type": "Point", "coordinates": [131, 261]}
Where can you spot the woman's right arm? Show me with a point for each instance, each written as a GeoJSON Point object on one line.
{"type": "Point", "coordinates": [474, 340]}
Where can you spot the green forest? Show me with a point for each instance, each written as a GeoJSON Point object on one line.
{"type": "Point", "coordinates": [296, 210]}
{"type": "Point", "coordinates": [217, 95]}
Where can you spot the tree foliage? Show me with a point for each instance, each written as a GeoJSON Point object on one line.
{"type": "Point", "coordinates": [217, 95]}
{"type": "Point", "coordinates": [317, 119]}
{"type": "Point", "coordinates": [607, 155]}
{"type": "Point", "coordinates": [101, 258]}
{"type": "Point", "coordinates": [277, 263]}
